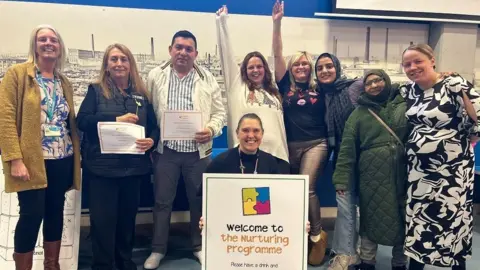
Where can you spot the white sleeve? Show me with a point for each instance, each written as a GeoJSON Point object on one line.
{"type": "Point", "coordinates": [227, 59]}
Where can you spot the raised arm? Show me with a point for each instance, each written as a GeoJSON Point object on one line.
{"type": "Point", "coordinates": [227, 59]}
{"type": "Point", "coordinates": [280, 65]}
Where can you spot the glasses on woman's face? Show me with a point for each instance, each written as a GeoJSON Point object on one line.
{"type": "Point", "coordinates": [374, 81]}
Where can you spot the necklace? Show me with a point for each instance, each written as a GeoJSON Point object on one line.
{"type": "Point", "coordinates": [242, 168]}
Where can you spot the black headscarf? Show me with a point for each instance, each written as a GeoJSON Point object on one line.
{"type": "Point", "coordinates": [383, 96]}
{"type": "Point", "coordinates": [340, 82]}
{"type": "Point", "coordinates": [337, 101]}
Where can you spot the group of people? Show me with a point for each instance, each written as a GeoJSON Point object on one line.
{"type": "Point", "coordinates": [402, 153]}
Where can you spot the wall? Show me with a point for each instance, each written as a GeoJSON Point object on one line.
{"type": "Point", "coordinates": [454, 47]}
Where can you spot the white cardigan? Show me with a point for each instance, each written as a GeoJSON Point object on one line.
{"type": "Point", "coordinates": [274, 139]}
{"type": "Point", "coordinates": [207, 98]}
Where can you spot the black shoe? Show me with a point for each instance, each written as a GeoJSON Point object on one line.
{"type": "Point", "coordinates": [127, 265]}
{"type": "Point", "coordinates": [399, 267]}
{"type": "Point", "coordinates": [365, 266]}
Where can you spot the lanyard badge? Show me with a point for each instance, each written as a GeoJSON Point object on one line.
{"type": "Point", "coordinates": [51, 102]}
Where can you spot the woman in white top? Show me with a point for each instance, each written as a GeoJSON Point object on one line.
{"type": "Point", "coordinates": [251, 89]}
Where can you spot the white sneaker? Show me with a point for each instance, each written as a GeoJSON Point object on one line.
{"type": "Point", "coordinates": [199, 256]}
{"type": "Point", "coordinates": [153, 261]}
{"type": "Point", "coordinates": [342, 262]}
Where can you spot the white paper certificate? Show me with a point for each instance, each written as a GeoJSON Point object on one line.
{"type": "Point", "coordinates": [181, 125]}
{"type": "Point", "coordinates": [119, 137]}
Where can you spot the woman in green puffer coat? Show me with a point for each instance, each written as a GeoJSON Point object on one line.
{"type": "Point", "coordinates": [376, 159]}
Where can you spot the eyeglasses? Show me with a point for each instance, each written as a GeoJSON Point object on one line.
{"type": "Point", "coordinates": [376, 81]}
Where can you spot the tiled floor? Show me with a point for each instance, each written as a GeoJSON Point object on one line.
{"type": "Point", "coordinates": [180, 257]}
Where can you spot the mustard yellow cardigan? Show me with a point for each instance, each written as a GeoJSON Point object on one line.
{"type": "Point", "coordinates": [20, 128]}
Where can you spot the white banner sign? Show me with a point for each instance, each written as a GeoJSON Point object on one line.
{"type": "Point", "coordinates": [255, 221]}
{"type": "Point", "coordinates": [9, 211]}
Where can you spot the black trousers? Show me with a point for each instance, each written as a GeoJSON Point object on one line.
{"type": "Point", "coordinates": [45, 205]}
{"type": "Point", "coordinates": [113, 209]}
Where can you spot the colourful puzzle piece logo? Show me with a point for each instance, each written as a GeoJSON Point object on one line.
{"type": "Point", "coordinates": [256, 201]}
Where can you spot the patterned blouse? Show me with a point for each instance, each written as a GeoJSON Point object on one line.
{"type": "Point", "coordinates": [54, 147]}
{"type": "Point", "coordinates": [262, 98]}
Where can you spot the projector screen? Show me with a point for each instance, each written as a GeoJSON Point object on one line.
{"type": "Point", "coordinates": [460, 9]}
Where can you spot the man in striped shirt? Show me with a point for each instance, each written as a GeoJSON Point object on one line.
{"type": "Point", "coordinates": [181, 85]}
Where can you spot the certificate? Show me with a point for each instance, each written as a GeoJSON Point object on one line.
{"type": "Point", "coordinates": [255, 221]}
{"type": "Point", "coordinates": [119, 137]}
{"type": "Point", "coordinates": [181, 125]}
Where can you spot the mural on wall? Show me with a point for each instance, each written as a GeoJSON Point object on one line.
{"type": "Point", "coordinates": [88, 30]}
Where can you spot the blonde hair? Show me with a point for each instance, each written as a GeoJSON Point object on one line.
{"type": "Point", "coordinates": [312, 84]}
{"type": "Point", "coordinates": [422, 48]}
{"type": "Point", "coordinates": [134, 78]}
{"type": "Point", "coordinates": [32, 51]}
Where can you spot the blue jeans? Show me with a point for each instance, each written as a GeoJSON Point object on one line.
{"type": "Point", "coordinates": [345, 236]}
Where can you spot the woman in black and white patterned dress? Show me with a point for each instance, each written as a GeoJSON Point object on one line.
{"type": "Point", "coordinates": [443, 114]}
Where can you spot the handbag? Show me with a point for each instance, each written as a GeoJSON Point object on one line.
{"type": "Point", "coordinates": [386, 127]}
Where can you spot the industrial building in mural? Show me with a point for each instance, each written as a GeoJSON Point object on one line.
{"type": "Point", "coordinates": [83, 64]}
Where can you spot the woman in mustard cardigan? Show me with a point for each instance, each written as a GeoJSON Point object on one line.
{"type": "Point", "coordinates": [40, 145]}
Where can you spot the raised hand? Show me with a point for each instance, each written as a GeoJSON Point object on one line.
{"type": "Point", "coordinates": [222, 10]}
{"type": "Point", "coordinates": [277, 12]}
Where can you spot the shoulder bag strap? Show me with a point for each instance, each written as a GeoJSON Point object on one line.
{"type": "Point", "coordinates": [386, 127]}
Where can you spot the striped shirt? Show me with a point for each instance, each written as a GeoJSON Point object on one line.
{"type": "Point", "coordinates": [180, 97]}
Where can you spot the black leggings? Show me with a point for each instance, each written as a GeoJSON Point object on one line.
{"type": "Point", "coordinates": [414, 265]}
{"type": "Point", "coordinates": [44, 204]}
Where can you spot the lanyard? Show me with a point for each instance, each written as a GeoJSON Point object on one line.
{"type": "Point", "coordinates": [51, 100]}
{"type": "Point", "coordinates": [242, 168]}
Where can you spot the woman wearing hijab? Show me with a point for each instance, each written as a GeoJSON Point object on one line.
{"type": "Point", "coordinates": [372, 153]}
{"type": "Point", "coordinates": [341, 96]}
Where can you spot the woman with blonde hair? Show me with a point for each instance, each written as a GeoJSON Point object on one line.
{"type": "Point", "coordinates": [40, 145]}
{"type": "Point", "coordinates": [251, 89]}
{"type": "Point", "coordinates": [304, 110]}
{"type": "Point", "coordinates": [114, 179]}
{"type": "Point", "coordinates": [443, 112]}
